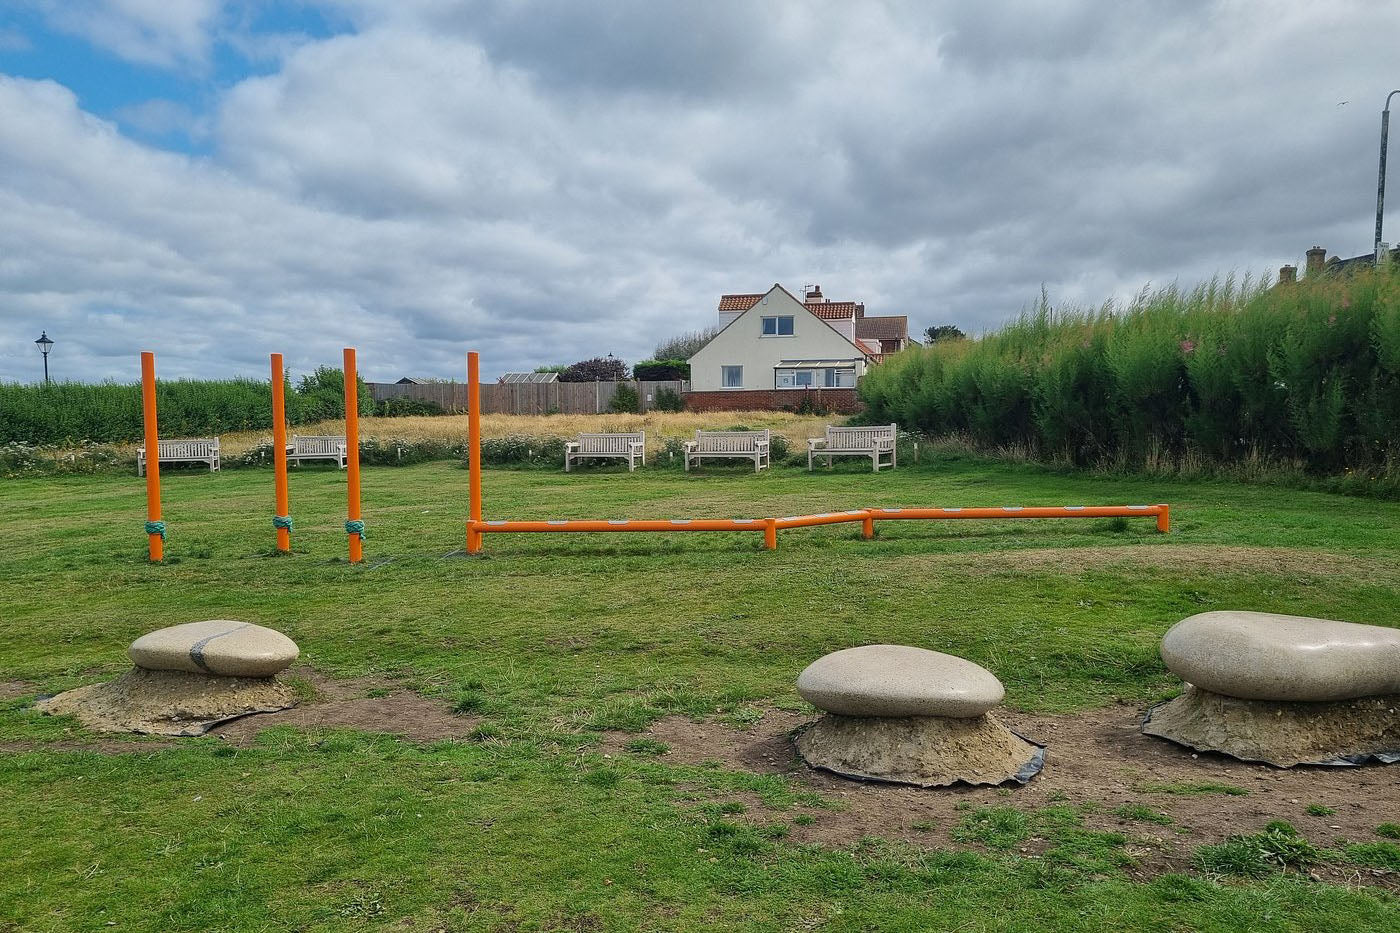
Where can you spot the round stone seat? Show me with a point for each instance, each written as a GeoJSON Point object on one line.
{"type": "Point", "coordinates": [899, 680]}
{"type": "Point", "coordinates": [1265, 656]}
{"type": "Point", "coordinates": [219, 647]}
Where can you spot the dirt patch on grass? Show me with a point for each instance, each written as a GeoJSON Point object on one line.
{"type": "Point", "coordinates": [9, 689]}
{"type": "Point", "coordinates": [1096, 761]}
{"type": "Point", "coordinates": [1175, 557]}
{"type": "Point", "coordinates": [368, 704]}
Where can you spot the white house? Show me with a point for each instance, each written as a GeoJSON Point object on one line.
{"type": "Point", "coordinates": [777, 342]}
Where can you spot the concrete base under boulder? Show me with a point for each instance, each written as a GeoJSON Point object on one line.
{"type": "Point", "coordinates": [1284, 734]}
{"type": "Point", "coordinates": [927, 751]}
{"type": "Point", "coordinates": [168, 702]}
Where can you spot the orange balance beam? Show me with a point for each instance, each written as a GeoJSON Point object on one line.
{"type": "Point", "coordinates": [1161, 512]}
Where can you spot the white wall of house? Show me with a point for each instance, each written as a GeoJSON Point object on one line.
{"type": "Point", "coordinates": [742, 343]}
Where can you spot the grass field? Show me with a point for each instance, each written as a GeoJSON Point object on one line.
{"type": "Point", "coordinates": [552, 644]}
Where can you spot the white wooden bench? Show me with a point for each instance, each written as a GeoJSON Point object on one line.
{"type": "Point", "coordinates": [183, 450]}
{"type": "Point", "coordinates": [750, 445]}
{"type": "Point", "coordinates": [630, 447]}
{"type": "Point", "coordinates": [877, 443]}
{"type": "Point", "coordinates": [317, 447]}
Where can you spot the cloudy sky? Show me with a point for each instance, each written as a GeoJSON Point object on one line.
{"type": "Point", "coordinates": [548, 181]}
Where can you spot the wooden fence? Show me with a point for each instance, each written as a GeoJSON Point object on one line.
{"type": "Point", "coordinates": [526, 398]}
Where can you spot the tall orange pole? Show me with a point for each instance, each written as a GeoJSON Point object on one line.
{"type": "Point", "coordinates": [155, 528]}
{"type": "Point", "coordinates": [283, 519]}
{"type": "Point", "coordinates": [474, 452]}
{"type": "Point", "coordinates": [354, 525]}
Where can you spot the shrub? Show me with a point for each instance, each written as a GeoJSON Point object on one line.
{"type": "Point", "coordinates": [1305, 376]}
{"type": "Point", "coordinates": [404, 406]}
{"type": "Point", "coordinates": [684, 346]}
{"type": "Point", "coordinates": [625, 400]}
{"type": "Point", "coordinates": [606, 369]}
{"type": "Point", "coordinates": [809, 405]}
{"type": "Point", "coordinates": [661, 370]}
{"type": "Point", "coordinates": [669, 400]}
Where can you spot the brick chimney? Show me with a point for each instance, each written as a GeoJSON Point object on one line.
{"type": "Point", "coordinates": [814, 294]}
{"type": "Point", "coordinates": [1317, 258]}
{"type": "Point", "coordinates": [1288, 275]}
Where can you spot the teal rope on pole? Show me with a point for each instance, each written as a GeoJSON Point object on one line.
{"type": "Point", "coordinates": [156, 528]}
{"type": "Point", "coordinates": [282, 521]}
{"type": "Point", "coordinates": [355, 527]}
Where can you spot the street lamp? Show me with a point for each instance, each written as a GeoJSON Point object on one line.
{"type": "Point", "coordinates": [45, 345]}
{"type": "Point", "coordinates": [1380, 184]}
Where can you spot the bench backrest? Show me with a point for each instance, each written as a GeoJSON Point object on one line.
{"type": "Point", "coordinates": [189, 448]}
{"type": "Point", "coordinates": [620, 444]}
{"type": "Point", "coordinates": [858, 438]}
{"type": "Point", "coordinates": [735, 442]}
{"type": "Point", "coordinates": [317, 443]}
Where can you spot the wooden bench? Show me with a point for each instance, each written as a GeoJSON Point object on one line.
{"type": "Point", "coordinates": [877, 443]}
{"type": "Point", "coordinates": [631, 447]}
{"type": "Point", "coordinates": [317, 447]}
{"type": "Point", "coordinates": [750, 445]}
{"type": "Point", "coordinates": [183, 450]}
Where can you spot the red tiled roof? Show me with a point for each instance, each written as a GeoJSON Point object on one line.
{"type": "Point", "coordinates": [829, 310]}
{"type": "Point", "coordinates": [890, 327]}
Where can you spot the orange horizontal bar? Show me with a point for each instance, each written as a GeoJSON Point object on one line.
{"type": "Point", "coordinates": [825, 518]}
{"type": "Point", "coordinates": [1014, 511]}
{"type": "Point", "coordinates": [679, 524]}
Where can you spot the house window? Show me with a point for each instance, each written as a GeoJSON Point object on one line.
{"type": "Point", "coordinates": [778, 326]}
{"type": "Point", "coordinates": [825, 377]}
{"type": "Point", "coordinates": [838, 378]}
{"type": "Point", "coordinates": [732, 377]}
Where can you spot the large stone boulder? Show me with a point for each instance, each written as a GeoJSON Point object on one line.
{"type": "Point", "coordinates": [899, 680]}
{"type": "Point", "coordinates": [219, 646]}
{"type": "Point", "coordinates": [1264, 656]}
{"type": "Point", "coordinates": [910, 716]}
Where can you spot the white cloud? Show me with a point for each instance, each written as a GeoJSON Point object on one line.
{"type": "Point", "coordinates": [549, 183]}
{"type": "Point", "coordinates": [166, 33]}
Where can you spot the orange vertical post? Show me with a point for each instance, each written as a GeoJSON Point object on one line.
{"type": "Point", "coordinates": [155, 528]}
{"type": "Point", "coordinates": [1164, 520]}
{"type": "Point", "coordinates": [867, 527]}
{"type": "Point", "coordinates": [354, 525]}
{"type": "Point", "coordinates": [474, 452]}
{"type": "Point", "coordinates": [770, 534]}
{"type": "Point", "coordinates": [283, 518]}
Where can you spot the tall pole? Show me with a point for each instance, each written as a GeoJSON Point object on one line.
{"type": "Point", "coordinates": [155, 528]}
{"type": "Point", "coordinates": [46, 366]}
{"type": "Point", "coordinates": [1380, 182]}
{"type": "Point", "coordinates": [282, 520]}
{"type": "Point", "coordinates": [354, 525]}
{"type": "Point", "coordinates": [474, 451]}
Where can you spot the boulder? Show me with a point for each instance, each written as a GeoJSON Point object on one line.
{"type": "Point", "coordinates": [927, 751]}
{"type": "Point", "coordinates": [219, 646]}
{"type": "Point", "coordinates": [898, 680]}
{"type": "Point", "coordinates": [1264, 656]}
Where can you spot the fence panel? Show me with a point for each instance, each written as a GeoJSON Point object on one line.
{"type": "Point", "coordinates": [526, 398]}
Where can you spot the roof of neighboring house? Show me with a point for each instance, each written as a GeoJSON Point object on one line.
{"type": "Point", "coordinates": [827, 310]}
{"type": "Point", "coordinates": [743, 303]}
{"type": "Point", "coordinates": [889, 327]}
{"type": "Point", "coordinates": [410, 381]}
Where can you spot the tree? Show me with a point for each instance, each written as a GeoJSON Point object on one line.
{"type": "Point", "coordinates": [608, 369]}
{"type": "Point", "coordinates": [944, 332]}
{"type": "Point", "coordinates": [625, 400]}
{"type": "Point", "coordinates": [556, 368]}
{"type": "Point", "coordinates": [684, 346]}
{"type": "Point", "coordinates": [321, 396]}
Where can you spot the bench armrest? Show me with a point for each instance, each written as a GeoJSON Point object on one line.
{"type": "Point", "coordinates": [814, 442]}
{"type": "Point", "coordinates": [571, 445]}
{"type": "Point", "coordinates": [690, 445]}
{"type": "Point", "coordinates": [760, 443]}
{"type": "Point", "coordinates": [636, 443]}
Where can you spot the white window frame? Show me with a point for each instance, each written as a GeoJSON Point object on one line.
{"type": "Point", "coordinates": [777, 320]}
{"type": "Point", "coordinates": [724, 372]}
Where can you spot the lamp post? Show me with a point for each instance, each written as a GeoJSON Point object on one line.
{"type": "Point", "coordinates": [45, 345]}
{"type": "Point", "coordinates": [1380, 183]}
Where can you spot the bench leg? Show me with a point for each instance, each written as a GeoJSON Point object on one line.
{"type": "Point", "coordinates": [568, 463]}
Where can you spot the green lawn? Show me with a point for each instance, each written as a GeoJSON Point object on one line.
{"type": "Point", "coordinates": [552, 639]}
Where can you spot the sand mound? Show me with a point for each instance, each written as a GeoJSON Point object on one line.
{"type": "Point", "coordinates": [928, 751]}
{"type": "Point", "coordinates": [1340, 732]}
{"type": "Point", "coordinates": [168, 702]}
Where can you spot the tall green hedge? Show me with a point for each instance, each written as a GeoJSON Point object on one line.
{"type": "Point", "coordinates": [1306, 373]}
{"type": "Point", "coordinates": [70, 412]}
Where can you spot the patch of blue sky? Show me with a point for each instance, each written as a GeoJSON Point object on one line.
{"type": "Point", "coordinates": [162, 106]}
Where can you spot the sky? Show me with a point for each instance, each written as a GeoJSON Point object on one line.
{"type": "Point", "coordinates": [553, 181]}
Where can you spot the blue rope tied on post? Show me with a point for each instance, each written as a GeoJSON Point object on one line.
{"type": "Point", "coordinates": [282, 521]}
{"type": "Point", "coordinates": [355, 527]}
{"type": "Point", "coordinates": [156, 528]}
